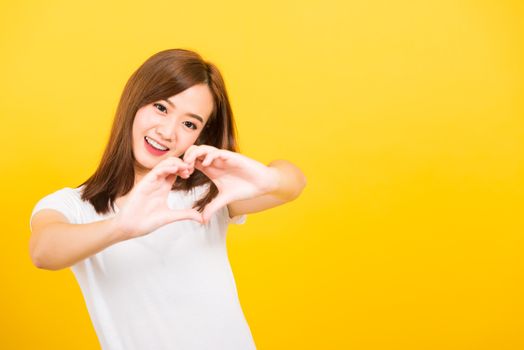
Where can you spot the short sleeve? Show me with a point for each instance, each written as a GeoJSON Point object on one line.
{"type": "Point", "coordinates": [238, 220]}
{"type": "Point", "coordinates": [63, 200]}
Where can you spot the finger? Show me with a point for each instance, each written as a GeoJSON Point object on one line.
{"type": "Point", "coordinates": [212, 207]}
{"type": "Point", "coordinates": [171, 178]}
{"type": "Point", "coordinates": [209, 158]}
{"type": "Point", "coordinates": [220, 157]}
{"type": "Point", "coordinates": [185, 173]}
{"type": "Point", "coordinates": [205, 169]}
{"type": "Point", "coordinates": [169, 164]}
{"type": "Point", "coordinates": [195, 152]}
{"type": "Point", "coordinates": [188, 154]}
{"type": "Point", "coordinates": [169, 161]}
{"type": "Point", "coordinates": [191, 158]}
{"type": "Point", "coordinates": [198, 165]}
{"type": "Point", "coordinates": [170, 169]}
{"type": "Point", "coordinates": [165, 171]}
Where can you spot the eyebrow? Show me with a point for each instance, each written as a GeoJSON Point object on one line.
{"type": "Point", "coordinates": [196, 116]}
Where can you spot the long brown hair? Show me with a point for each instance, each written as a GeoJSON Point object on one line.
{"type": "Point", "coordinates": [163, 75]}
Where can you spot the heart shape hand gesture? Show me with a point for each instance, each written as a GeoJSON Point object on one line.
{"type": "Point", "coordinates": [146, 207]}
{"type": "Point", "coordinates": [236, 176]}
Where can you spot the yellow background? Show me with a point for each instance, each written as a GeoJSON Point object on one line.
{"type": "Point", "coordinates": [406, 116]}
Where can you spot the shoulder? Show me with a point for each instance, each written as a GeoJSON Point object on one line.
{"type": "Point", "coordinates": [67, 201]}
{"type": "Point", "coordinates": [66, 194]}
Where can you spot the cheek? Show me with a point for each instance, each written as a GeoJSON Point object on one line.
{"type": "Point", "coordinates": [195, 138]}
{"type": "Point", "coordinates": [136, 134]}
{"type": "Point", "coordinates": [188, 141]}
{"type": "Point", "coordinates": [141, 123]}
{"type": "Point", "coordinates": [139, 127]}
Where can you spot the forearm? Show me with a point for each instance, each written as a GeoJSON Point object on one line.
{"type": "Point", "coordinates": [289, 180]}
{"type": "Point", "coordinates": [60, 245]}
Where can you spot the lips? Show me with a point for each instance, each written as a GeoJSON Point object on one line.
{"type": "Point", "coordinates": [151, 147]}
{"type": "Point", "coordinates": [155, 144]}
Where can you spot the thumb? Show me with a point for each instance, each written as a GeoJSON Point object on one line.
{"type": "Point", "coordinates": [213, 206]}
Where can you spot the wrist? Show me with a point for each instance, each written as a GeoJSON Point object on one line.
{"type": "Point", "coordinates": [118, 230]}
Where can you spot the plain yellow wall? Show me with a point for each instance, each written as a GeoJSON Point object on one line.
{"type": "Point", "coordinates": [406, 116]}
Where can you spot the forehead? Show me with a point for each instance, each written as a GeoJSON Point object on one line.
{"type": "Point", "coordinates": [195, 100]}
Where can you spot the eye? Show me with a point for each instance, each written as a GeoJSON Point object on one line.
{"type": "Point", "coordinates": [190, 125]}
{"type": "Point", "coordinates": [160, 107]}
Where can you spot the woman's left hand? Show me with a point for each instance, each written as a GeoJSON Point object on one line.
{"type": "Point", "coordinates": [236, 176]}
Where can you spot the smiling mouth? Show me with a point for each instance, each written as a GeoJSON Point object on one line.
{"type": "Point", "coordinates": [155, 144]}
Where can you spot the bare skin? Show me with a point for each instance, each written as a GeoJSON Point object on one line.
{"type": "Point", "coordinates": [245, 186]}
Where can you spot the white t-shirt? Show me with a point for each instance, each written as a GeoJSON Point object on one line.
{"type": "Point", "coordinates": [170, 289]}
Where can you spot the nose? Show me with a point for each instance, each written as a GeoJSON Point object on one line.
{"type": "Point", "coordinates": [167, 129]}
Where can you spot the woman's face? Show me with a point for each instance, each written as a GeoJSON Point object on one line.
{"type": "Point", "coordinates": [166, 128]}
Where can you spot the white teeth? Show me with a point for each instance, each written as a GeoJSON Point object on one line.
{"type": "Point", "coordinates": [156, 144]}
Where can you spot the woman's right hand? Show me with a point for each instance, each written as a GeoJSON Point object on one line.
{"type": "Point", "coordinates": [146, 207]}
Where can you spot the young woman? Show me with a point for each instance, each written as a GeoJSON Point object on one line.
{"type": "Point", "coordinates": [145, 235]}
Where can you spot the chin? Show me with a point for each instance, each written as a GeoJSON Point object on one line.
{"type": "Point", "coordinates": [146, 163]}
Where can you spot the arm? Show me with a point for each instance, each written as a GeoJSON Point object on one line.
{"type": "Point", "coordinates": [287, 184]}
{"type": "Point", "coordinates": [56, 244]}
{"type": "Point", "coordinates": [244, 184]}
